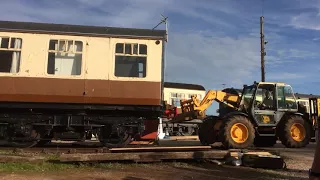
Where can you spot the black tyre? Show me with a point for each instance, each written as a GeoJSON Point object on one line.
{"type": "Point", "coordinates": [237, 132]}
{"type": "Point", "coordinates": [46, 139]}
{"type": "Point", "coordinates": [206, 131]}
{"type": "Point", "coordinates": [294, 132]}
{"type": "Point", "coordinates": [265, 141]}
{"type": "Point", "coordinates": [120, 142]}
{"type": "Point", "coordinates": [111, 139]}
{"type": "Point", "coordinates": [27, 140]}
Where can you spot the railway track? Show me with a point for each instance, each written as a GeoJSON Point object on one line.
{"type": "Point", "coordinates": [134, 153]}
{"type": "Point", "coordinates": [89, 147]}
{"type": "Point", "coordinates": [89, 150]}
{"type": "Point", "coordinates": [92, 147]}
{"type": "Point", "coordinates": [64, 150]}
{"type": "Point", "coordinates": [127, 150]}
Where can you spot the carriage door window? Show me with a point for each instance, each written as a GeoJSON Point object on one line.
{"type": "Point", "coordinates": [131, 60]}
{"type": "Point", "coordinates": [64, 57]}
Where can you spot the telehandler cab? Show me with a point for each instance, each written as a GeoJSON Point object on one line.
{"type": "Point", "coordinates": [262, 114]}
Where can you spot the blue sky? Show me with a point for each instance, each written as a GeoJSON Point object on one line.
{"type": "Point", "coordinates": [211, 42]}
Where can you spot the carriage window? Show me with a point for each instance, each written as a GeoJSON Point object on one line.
{"type": "Point", "coordinates": [119, 48]}
{"type": "Point", "coordinates": [142, 49]}
{"type": "Point", "coordinates": [130, 63]}
{"type": "Point", "coordinates": [65, 57]}
{"type": "Point", "coordinates": [10, 54]}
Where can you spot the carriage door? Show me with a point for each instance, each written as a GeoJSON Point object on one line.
{"type": "Point", "coordinates": [65, 59]}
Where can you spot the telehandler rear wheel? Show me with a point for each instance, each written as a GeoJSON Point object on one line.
{"type": "Point", "coordinates": [294, 132]}
{"type": "Point", "coordinates": [237, 132]}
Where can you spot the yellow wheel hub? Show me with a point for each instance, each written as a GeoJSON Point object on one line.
{"type": "Point", "coordinates": [298, 132]}
{"type": "Point", "coordinates": [239, 133]}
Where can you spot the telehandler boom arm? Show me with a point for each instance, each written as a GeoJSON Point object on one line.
{"type": "Point", "coordinates": [194, 109]}
{"type": "Point", "coordinates": [212, 95]}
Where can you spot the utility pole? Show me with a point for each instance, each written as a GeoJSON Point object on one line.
{"type": "Point", "coordinates": [165, 21]}
{"type": "Point", "coordinates": [263, 53]}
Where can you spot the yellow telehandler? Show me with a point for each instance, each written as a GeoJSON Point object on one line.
{"type": "Point", "coordinates": [263, 113]}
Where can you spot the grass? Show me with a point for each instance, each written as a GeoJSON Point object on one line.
{"type": "Point", "coordinates": [56, 167]}
{"type": "Point", "coordinates": [40, 166]}
{"type": "Point", "coordinates": [51, 163]}
{"type": "Point", "coordinates": [16, 167]}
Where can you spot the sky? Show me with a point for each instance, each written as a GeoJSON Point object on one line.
{"type": "Point", "coordinates": [211, 42]}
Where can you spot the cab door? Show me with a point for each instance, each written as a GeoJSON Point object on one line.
{"type": "Point", "coordinates": [286, 101]}
{"type": "Point", "coordinates": [264, 106]}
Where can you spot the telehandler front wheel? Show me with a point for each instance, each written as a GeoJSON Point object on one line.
{"type": "Point", "coordinates": [237, 132]}
{"type": "Point", "coordinates": [294, 132]}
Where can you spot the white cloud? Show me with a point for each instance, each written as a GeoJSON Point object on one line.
{"type": "Point", "coordinates": [214, 61]}
{"type": "Point", "coordinates": [316, 39]}
{"type": "Point", "coordinates": [310, 20]}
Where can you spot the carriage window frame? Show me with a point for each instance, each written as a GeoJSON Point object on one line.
{"type": "Point", "coordinates": [124, 50]}
{"type": "Point", "coordinates": [64, 50]}
{"type": "Point", "coordinates": [12, 49]}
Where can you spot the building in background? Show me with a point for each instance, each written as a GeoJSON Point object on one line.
{"type": "Point", "coordinates": [174, 92]}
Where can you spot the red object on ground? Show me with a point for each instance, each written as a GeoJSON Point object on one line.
{"type": "Point", "coordinates": [151, 129]}
{"type": "Point", "coordinates": [151, 126]}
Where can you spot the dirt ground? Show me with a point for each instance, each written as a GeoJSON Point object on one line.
{"type": "Point", "coordinates": [298, 162]}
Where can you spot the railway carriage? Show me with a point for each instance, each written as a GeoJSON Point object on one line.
{"type": "Point", "coordinates": [68, 82]}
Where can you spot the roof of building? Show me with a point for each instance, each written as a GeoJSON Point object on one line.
{"type": "Point", "coordinates": [80, 30]}
{"type": "Point", "coordinates": [183, 86]}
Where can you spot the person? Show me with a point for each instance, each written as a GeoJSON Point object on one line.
{"type": "Point", "coordinates": [314, 171]}
{"type": "Point", "coordinates": [267, 102]}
